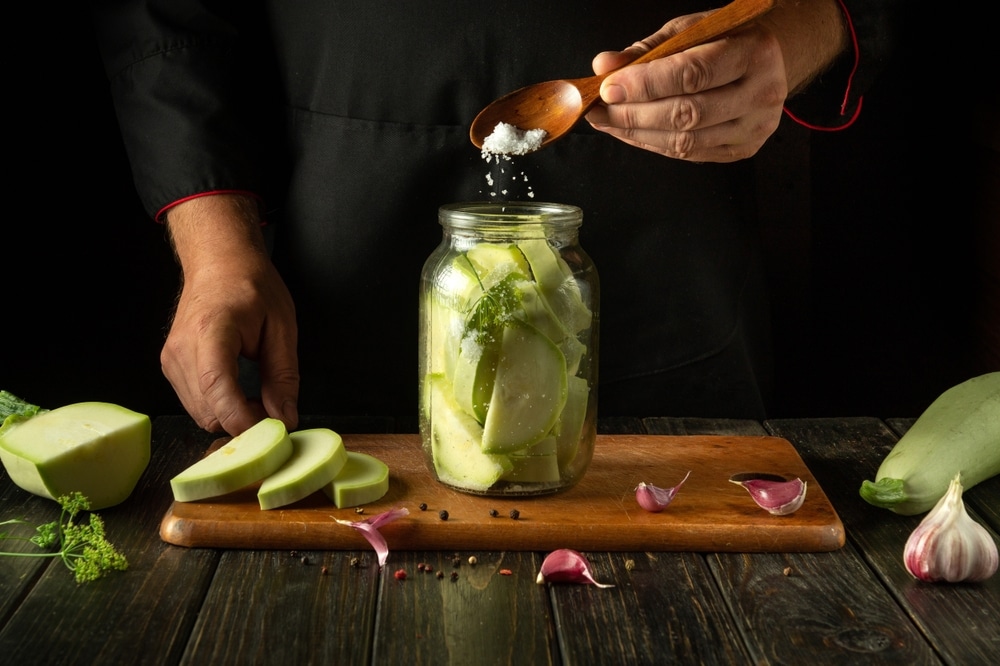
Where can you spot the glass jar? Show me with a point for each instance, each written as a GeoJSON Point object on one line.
{"type": "Point", "coordinates": [509, 311]}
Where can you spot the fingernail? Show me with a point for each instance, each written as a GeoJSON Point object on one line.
{"type": "Point", "coordinates": [613, 94]}
{"type": "Point", "coordinates": [598, 116]}
{"type": "Point", "coordinates": [289, 411]}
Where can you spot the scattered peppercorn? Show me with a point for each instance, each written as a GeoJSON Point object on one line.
{"type": "Point", "coordinates": [454, 575]}
{"type": "Point", "coordinates": [515, 514]}
{"type": "Point", "coordinates": [294, 553]}
{"type": "Point", "coordinates": [443, 514]}
{"type": "Point", "coordinates": [355, 562]}
{"type": "Point", "coordinates": [304, 560]}
{"type": "Point", "coordinates": [494, 513]}
{"type": "Point", "coordinates": [440, 575]}
{"type": "Point", "coordinates": [787, 571]}
{"type": "Point", "coordinates": [472, 560]}
{"type": "Point", "coordinates": [629, 565]}
{"type": "Point", "coordinates": [360, 509]}
{"type": "Point", "coordinates": [324, 570]}
{"type": "Point", "coordinates": [423, 506]}
{"type": "Point", "coordinates": [420, 566]}
{"type": "Point", "coordinates": [428, 568]}
{"type": "Point", "coordinates": [456, 561]}
{"type": "Point", "coordinates": [400, 574]}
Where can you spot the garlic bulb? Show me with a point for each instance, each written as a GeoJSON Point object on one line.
{"type": "Point", "coordinates": [948, 545]}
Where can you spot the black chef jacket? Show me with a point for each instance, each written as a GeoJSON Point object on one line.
{"type": "Point", "coordinates": [349, 120]}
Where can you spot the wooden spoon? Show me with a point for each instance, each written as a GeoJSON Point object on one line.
{"type": "Point", "coordinates": [555, 106]}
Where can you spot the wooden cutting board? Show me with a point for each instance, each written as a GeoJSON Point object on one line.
{"type": "Point", "coordinates": [600, 513]}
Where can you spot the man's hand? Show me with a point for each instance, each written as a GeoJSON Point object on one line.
{"type": "Point", "coordinates": [721, 101]}
{"type": "Point", "coordinates": [232, 303]}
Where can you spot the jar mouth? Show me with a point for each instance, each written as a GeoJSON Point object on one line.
{"type": "Point", "coordinates": [477, 214]}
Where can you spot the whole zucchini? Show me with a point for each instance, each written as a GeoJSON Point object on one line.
{"type": "Point", "coordinates": [958, 432]}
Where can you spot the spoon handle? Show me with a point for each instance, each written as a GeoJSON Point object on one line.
{"type": "Point", "coordinates": [721, 21]}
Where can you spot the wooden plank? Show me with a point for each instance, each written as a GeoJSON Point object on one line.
{"type": "Point", "coordinates": [268, 607]}
{"type": "Point", "coordinates": [961, 622]}
{"type": "Point", "coordinates": [710, 514]}
{"type": "Point", "coordinates": [664, 608]}
{"type": "Point", "coordinates": [820, 608]}
{"type": "Point", "coordinates": [19, 574]}
{"type": "Point", "coordinates": [491, 612]}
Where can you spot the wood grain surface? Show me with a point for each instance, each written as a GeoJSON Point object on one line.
{"type": "Point", "coordinates": [600, 513]}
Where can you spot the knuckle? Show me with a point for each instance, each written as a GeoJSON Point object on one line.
{"type": "Point", "coordinates": [685, 114]}
{"type": "Point", "coordinates": [695, 76]}
{"type": "Point", "coordinates": [682, 145]}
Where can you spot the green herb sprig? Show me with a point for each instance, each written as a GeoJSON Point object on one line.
{"type": "Point", "coordinates": [83, 547]}
{"type": "Point", "coordinates": [494, 309]}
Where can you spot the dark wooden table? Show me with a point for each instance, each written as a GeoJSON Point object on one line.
{"type": "Point", "coordinates": [206, 606]}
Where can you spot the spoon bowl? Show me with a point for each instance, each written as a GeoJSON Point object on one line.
{"type": "Point", "coordinates": [556, 106]}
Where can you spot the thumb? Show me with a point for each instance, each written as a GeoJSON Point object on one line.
{"type": "Point", "coordinates": [608, 61]}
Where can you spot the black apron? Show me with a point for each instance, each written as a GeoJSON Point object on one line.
{"type": "Point", "coordinates": [379, 99]}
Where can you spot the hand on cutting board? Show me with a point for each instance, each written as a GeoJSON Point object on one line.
{"type": "Point", "coordinates": [233, 302]}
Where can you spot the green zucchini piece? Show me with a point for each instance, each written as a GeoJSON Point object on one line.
{"type": "Point", "coordinates": [529, 391]}
{"type": "Point", "coordinates": [249, 457]}
{"type": "Point", "coordinates": [364, 479]}
{"type": "Point", "coordinates": [958, 433]}
{"type": "Point", "coordinates": [96, 448]}
{"type": "Point", "coordinates": [318, 455]}
{"type": "Point", "coordinates": [456, 442]}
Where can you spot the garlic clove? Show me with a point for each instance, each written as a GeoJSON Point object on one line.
{"type": "Point", "coordinates": [655, 499]}
{"type": "Point", "coordinates": [776, 497]}
{"type": "Point", "coordinates": [369, 529]}
{"type": "Point", "coordinates": [948, 545]}
{"type": "Point", "coordinates": [566, 566]}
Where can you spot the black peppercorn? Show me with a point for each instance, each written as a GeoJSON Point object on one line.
{"type": "Point", "coordinates": [515, 514]}
{"type": "Point", "coordinates": [443, 514]}
{"type": "Point", "coordinates": [423, 506]}
{"type": "Point", "coordinates": [494, 513]}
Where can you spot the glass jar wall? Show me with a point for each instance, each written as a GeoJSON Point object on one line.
{"type": "Point", "coordinates": [509, 312]}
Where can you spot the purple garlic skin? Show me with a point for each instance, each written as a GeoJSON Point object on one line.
{"type": "Point", "coordinates": [948, 545]}
{"type": "Point", "coordinates": [566, 566]}
{"type": "Point", "coordinates": [655, 499]}
{"type": "Point", "coordinates": [779, 498]}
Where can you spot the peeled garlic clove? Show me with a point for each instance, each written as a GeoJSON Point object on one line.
{"type": "Point", "coordinates": [566, 566]}
{"type": "Point", "coordinates": [777, 497]}
{"type": "Point", "coordinates": [655, 499]}
{"type": "Point", "coordinates": [948, 545]}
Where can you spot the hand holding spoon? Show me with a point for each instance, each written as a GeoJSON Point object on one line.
{"type": "Point", "coordinates": [555, 106]}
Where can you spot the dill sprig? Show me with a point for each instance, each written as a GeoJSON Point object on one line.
{"type": "Point", "coordinates": [83, 547]}
{"type": "Point", "coordinates": [494, 309]}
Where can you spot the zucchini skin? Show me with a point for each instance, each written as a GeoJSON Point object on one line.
{"type": "Point", "coordinates": [959, 433]}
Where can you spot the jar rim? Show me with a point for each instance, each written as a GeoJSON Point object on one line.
{"type": "Point", "coordinates": [475, 214]}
